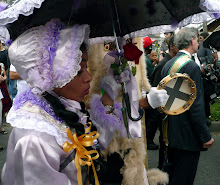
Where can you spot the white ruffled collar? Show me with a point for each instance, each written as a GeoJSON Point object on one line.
{"type": "Point", "coordinates": [29, 114]}
{"type": "Point", "coordinates": [71, 105]}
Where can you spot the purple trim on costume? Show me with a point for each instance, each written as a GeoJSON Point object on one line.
{"type": "Point", "coordinates": [98, 114]}
{"type": "Point", "coordinates": [115, 53]}
{"type": "Point", "coordinates": [21, 98]}
{"type": "Point", "coordinates": [47, 47]}
{"type": "Point", "coordinates": [8, 42]}
{"type": "Point", "coordinates": [3, 6]}
{"type": "Point", "coordinates": [216, 15]}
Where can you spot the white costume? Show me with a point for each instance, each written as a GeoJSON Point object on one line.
{"type": "Point", "coordinates": [37, 148]}
{"type": "Point", "coordinates": [46, 57]}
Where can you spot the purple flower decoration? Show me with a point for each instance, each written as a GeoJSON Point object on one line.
{"type": "Point", "coordinates": [47, 47]}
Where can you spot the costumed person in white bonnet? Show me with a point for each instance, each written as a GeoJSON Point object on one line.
{"type": "Point", "coordinates": [49, 117]}
{"type": "Point", "coordinates": [53, 61]}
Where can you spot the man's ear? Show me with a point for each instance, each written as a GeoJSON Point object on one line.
{"type": "Point", "coordinates": [191, 43]}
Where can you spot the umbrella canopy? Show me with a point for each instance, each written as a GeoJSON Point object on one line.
{"type": "Point", "coordinates": [125, 15]}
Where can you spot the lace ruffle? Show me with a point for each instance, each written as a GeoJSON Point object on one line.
{"type": "Point", "coordinates": [47, 40]}
{"type": "Point", "coordinates": [24, 7]}
{"type": "Point", "coordinates": [30, 116]}
{"type": "Point", "coordinates": [211, 6]}
{"type": "Point", "coordinates": [194, 19]}
{"type": "Point", "coordinates": [80, 34]}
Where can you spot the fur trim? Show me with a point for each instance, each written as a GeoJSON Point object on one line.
{"type": "Point", "coordinates": [156, 176]}
{"type": "Point", "coordinates": [141, 70]}
{"type": "Point", "coordinates": [142, 66]}
{"type": "Point", "coordinates": [98, 114]}
{"type": "Point", "coordinates": [133, 169]}
{"type": "Point", "coordinates": [98, 70]}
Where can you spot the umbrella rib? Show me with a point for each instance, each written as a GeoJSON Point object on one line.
{"type": "Point", "coordinates": [70, 16]}
{"type": "Point", "coordinates": [117, 17]}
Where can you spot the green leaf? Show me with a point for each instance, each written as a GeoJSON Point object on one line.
{"type": "Point", "coordinates": [124, 66]}
{"type": "Point", "coordinates": [133, 69]}
{"type": "Point", "coordinates": [114, 66]}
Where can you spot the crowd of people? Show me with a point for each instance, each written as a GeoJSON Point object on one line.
{"type": "Point", "coordinates": [191, 134]}
{"type": "Point", "coordinates": [55, 137]}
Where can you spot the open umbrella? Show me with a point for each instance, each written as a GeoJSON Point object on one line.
{"type": "Point", "coordinates": [105, 17]}
{"type": "Point", "coordinates": [126, 15]}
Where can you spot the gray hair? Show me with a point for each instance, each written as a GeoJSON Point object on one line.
{"type": "Point", "coordinates": [183, 38]}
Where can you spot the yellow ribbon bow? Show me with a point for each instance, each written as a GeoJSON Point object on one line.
{"type": "Point", "coordinates": [83, 157]}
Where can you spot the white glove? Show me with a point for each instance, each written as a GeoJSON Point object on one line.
{"type": "Point", "coordinates": [124, 76]}
{"type": "Point", "coordinates": [156, 98]}
{"type": "Point", "coordinates": [109, 84]}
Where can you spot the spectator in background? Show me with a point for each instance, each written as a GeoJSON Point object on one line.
{"type": "Point", "coordinates": [204, 54]}
{"type": "Point", "coordinates": [156, 75]}
{"type": "Point", "coordinates": [12, 89]}
{"type": "Point", "coordinates": [147, 44]}
{"type": "Point", "coordinates": [12, 85]}
{"type": "Point", "coordinates": [164, 45]}
{"type": "Point", "coordinates": [5, 101]}
{"type": "Point", "coordinates": [154, 59]}
{"type": "Point", "coordinates": [153, 117]}
{"type": "Point", "coordinates": [151, 60]}
{"type": "Point", "coordinates": [4, 56]}
{"type": "Point", "coordinates": [156, 118]}
{"type": "Point", "coordinates": [21, 84]}
{"type": "Point", "coordinates": [205, 57]}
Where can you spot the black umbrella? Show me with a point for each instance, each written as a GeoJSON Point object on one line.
{"type": "Point", "coordinates": [106, 17]}
{"type": "Point", "coordinates": [126, 15]}
{"type": "Point", "coordinates": [213, 39]}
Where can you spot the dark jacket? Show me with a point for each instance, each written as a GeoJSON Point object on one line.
{"type": "Point", "coordinates": [156, 75]}
{"type": "Point", "coordinates": [204, 54]}
{"type": "Point", "coordinates": [4, 59]}
{"type": "Point", "coordinates": [188, 131]}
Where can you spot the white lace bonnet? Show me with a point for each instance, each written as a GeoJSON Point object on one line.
{"type": "Point", "coordinates": [49, 56]}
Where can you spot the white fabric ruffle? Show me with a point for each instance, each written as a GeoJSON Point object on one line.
{"type": "Point", "coordinates": [22, 7]}
{"type": "Point", "coordinates": [194, 19]}
{"type": "Point", "coordinates": [211, 6]}
{"type": "Point", "coordinates": [30, 116]}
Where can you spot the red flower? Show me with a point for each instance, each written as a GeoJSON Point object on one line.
{"type": "Point", "coordinates": [131, 52]}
